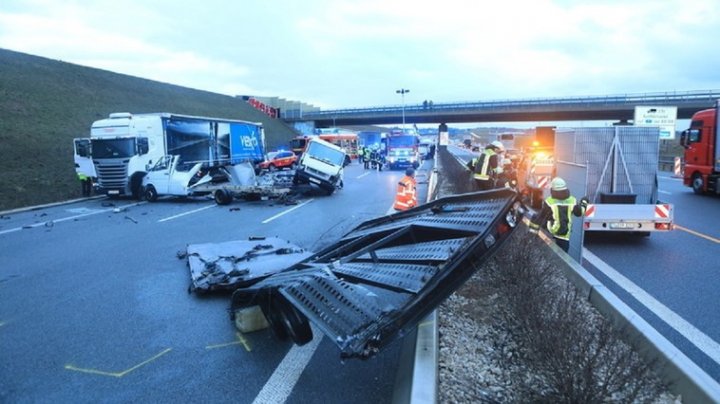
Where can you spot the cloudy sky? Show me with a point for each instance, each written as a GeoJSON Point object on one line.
{"type": "Point", "coordinates": [338, 53]}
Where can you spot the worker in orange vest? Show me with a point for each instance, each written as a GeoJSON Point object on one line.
{"type": "Point", "coordinates": [406, 197]}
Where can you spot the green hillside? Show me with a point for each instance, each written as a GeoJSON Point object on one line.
{"type": "Point", "coordinates": [45, 103]}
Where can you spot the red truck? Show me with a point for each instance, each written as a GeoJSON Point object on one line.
{"type": "Point", "coordinates": [702, 152]}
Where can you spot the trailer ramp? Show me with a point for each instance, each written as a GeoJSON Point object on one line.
{"type": "Point", "coordinates": [378, 281]}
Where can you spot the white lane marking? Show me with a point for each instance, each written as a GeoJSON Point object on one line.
{"type": "Point", "coordinates": [704, 343]}
{"type": "Point", "coordinates": [362, 175]}
{"type": "Point", "coordinates": [283, 380]}
{"type": "Point", "coordinates": [65, 219]}
{"type": "Point", "coordinates": [664, 192]}
{"type": "Point", "coordinates": [286, 211]}
{"type": "Point", "coordinates": [186, 213]}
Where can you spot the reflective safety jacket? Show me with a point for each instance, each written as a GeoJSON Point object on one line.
{"type": "Point", "coordinates": [406, 196]}
{"type": "Point", "coordinates": [556, 216]}
{"type": "Point", "coordinates": [485, 165]}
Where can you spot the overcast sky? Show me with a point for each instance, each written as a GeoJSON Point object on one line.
{"type": "Point", "coordinates": [338, 54]}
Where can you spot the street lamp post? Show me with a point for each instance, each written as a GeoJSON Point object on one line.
{"type": "Point", "coordinates": [402, 92]}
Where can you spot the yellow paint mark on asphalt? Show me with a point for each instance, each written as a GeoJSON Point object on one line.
{"type": "Point", "coordinates": [241, 341]}
{"type": "Point", "coordinates": [694, 233]}
{"type": "Point", "coordinates": [116, 374]}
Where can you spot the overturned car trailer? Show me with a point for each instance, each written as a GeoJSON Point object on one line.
{"type": "Point", "coordinates": [379, 280]}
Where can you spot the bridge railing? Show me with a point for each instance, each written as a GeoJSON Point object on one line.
{"type": "Point", "coordinates": [663, 98]}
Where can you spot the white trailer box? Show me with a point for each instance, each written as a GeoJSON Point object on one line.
{"type": "Point", "coordinates": [620, 168]}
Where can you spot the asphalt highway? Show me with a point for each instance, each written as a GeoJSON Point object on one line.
{"type": "Point", "coordinates": [94, 303]}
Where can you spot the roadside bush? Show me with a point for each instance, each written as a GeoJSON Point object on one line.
{"type": "Point", "coordinates": [572, 351]}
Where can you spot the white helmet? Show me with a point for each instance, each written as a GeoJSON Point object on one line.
{"type": "Point", "coordinates": [558, 184]}
{"type": "Point", "coordinates": [498, 145]}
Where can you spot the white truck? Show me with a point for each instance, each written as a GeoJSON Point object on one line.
{"type": "Point", "coordinates": [321, 164]}
{"type": "Point", "coordinates": [616, 167]}
{"type": "Point", "coordinates": [124, 146]}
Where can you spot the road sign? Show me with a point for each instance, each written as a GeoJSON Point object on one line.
{"type": "Point", "coordinates": [662, 117]}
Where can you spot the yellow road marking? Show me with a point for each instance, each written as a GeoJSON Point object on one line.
{"type": "Point", "coordinates": [241, 341]}
{"type": "Point", "coordinates": [694, 233]}
{"type": "Point", "coordinates": [116, 374]}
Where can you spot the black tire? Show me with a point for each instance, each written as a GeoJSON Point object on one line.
{"type": "Point", "coordinates": [273, 317]}
{"type": "Point", "coordinates": [223, 197]}
{"type": "Point", "coordinates": [150, 193]}
{"type": "Point", "coordinates": [295, 323]}
{"type": "Point", "coordinates": [697, 184]}
{"type": "Point", "coordinates": [136, 186]}
{"type": "Point", "coordinates": [329, 189]}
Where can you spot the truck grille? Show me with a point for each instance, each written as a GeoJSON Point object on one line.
{"type": "Point", "coordinates": [316, 173]}
{"type": "Point", "coordinates": [112, 175]}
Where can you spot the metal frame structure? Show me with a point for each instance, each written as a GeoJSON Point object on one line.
{"type": "Point", "coordinates": [379, 280]}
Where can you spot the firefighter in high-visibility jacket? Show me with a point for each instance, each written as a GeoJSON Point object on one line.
{"type": "Point", "coordinates": [485, 167]}
{"type": "Point", "coordinates": [406, 196]}
{"type": "Point", "coordinates": [557, 211]}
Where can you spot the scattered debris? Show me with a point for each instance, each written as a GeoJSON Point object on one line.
{"type": "Point", "coordinates": [224, 266]}
{"type": "Point", "coordinates": [131, 219]}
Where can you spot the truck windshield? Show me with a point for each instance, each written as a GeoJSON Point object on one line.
{"type": "Point", "coordinates": [113, 148]}
{"type": "Point", "coordinates": [326, 154]}
{"type": "Point", "coordinates": [402, 141]}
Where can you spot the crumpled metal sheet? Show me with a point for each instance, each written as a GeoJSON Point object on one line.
{"type": "Point", "coordinates": [227, 265]}
{"type": "Point", "coordinates": [379, 280]}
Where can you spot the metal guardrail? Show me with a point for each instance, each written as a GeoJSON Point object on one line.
{"type": "Point", "coordinates": [683, 375]}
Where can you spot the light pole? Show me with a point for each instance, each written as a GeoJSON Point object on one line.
{"type": "Point", "coordinates": [402, 92]}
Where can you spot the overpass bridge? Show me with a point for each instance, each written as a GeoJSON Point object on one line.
{"type": "Point", "coordinates": [585, 108]}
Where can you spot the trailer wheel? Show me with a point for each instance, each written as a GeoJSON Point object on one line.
{"type": "Point", "coordinates": [294, 322]}
{"type": "Point", "coordinates": [697, 184]}
{"type": "Point", "coordinates": [272, 315]}
{"type": "Point", "coordinates": [223, 197]}
{"type": "Point", "coordinates": [150, 193]}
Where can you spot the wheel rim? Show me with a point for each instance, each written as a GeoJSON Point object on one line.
{"type": "Point", "coordinates": [697, 183]}
{"type": "Point", "coordinates": [150, 194]}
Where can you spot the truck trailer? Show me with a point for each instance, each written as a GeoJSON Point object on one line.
{"type": "Point", "coordinates": [616, 168]}
{"type": "Point", "coordinates": [125, 146]}
{"type": "Point", "coordinates": [701, 169]}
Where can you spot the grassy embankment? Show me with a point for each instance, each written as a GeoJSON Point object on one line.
{"type": "Point", "coordinates": [45, 103]}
